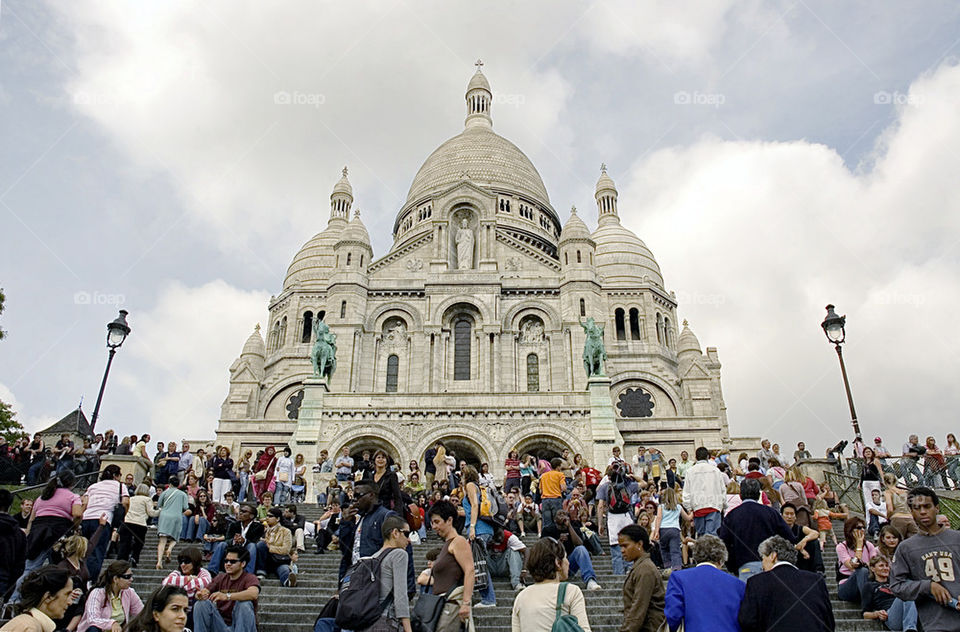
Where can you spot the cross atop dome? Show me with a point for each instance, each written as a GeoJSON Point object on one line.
{"type": "Point", "coordinates": [573, 209]}
{"type": "Point", "coordinates": [344, 171]}
{"type": "Point", "coordinates": [603, 167]}
{"type": "Point", "coordinates": [479, 65]}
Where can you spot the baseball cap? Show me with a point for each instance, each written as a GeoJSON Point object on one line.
{"type": "Point", "coordinates": [877, 440]}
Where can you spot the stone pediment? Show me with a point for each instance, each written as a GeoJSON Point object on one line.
{"type": "Point", "coordinates": [241, 372]}
{"type": "Point", "coordinates": [695, 371]}
{"type": "Point", "coordinates": [531, 255]}
{"type": "Point", "coordinates": [404, 255]}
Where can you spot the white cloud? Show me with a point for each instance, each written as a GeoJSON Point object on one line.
{"type": "Point", "coordinates": [759, 236]}
{"type": "Point", "coordinates": [181, 350]}
{"type": "Point", "coordinates": [30, 423]}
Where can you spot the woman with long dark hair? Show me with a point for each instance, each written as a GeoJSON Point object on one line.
{"type": "Point", "coordinates": [853, 554]}
{"type": "Point", "coordinates": [46, 595]}
{"type": "Point", "coordinates": [113, 602]}
{"type": "Point", "coordinates": [386, 480]}
{"type": "Point", "coordinates": [52, 517]}
{"type": "Point", "coordinates": [191, 576]}
{"type": "Point", "coordinates": [165, 611]}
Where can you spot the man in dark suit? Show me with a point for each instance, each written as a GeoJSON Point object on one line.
{"type": "Point", "coordinates": [245, 532]}
{"type": "Point", "coordinates": [784, 598]}
{"type": "Point", "coordinates": [746, 526]}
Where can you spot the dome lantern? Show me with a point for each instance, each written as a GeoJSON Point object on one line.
{"type": "Point", "coordinates": [606, 196]}
{"type": "Point", "coordinates": [479, 98]}
{"type": "Point", "coordinates": [341, 199]}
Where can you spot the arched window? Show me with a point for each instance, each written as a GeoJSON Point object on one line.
{"type": "Point", "coordinates": [634, 324]}
{"type": "Point", "coordinates": [566, 259]}
{"type": "Point", "coordinates": [579, 260]}
{"type": "Point", "coordinates": [307, 327]}
{"type": "Point", "coordinates": [361, 261]}
{"type": "Point", "coordinates": [348, 258]}
{"type": "Point", "coordinates": [343, 309]}
{"type": "Point", "coordinates": [583, 307]}
{"type": "Point", "coordinates": [320, 315]}
{"type": "Point", "coordinates": [659, 328]}
{"type": "Point", "coordinates": [393, 368]}
{"type": "Point", "coordinates": [533, 372]}
{"type": "Point", "coordinates": [667, 338]}
{"type": "Point", "coordinates": [275, 335]}
{"type": "Point", "coordinates": [621, 328]}
{"type": "Point", "coordinates": [461, 349]}
{"type": "Point", "coordinates": [283, 332]}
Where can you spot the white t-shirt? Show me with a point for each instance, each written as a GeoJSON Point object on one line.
{"type": "Point", "coordinates": [101, 498]}
{"type": "Point", "coordinates": [535, 608]}
{"type": "Point", "coordinates": [882, 508]}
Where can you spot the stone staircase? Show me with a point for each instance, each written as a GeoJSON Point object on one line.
{"type": "Point", "coordinates": [295, 609]}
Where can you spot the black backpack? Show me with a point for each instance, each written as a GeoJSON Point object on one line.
{"type": "Point", "coordinates": [619, 496]}
{"type": "Point", "coordinates": [359, 603]}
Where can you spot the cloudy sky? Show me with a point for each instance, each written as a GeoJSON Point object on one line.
{"type": "Point", "coordinates": [775, 156]}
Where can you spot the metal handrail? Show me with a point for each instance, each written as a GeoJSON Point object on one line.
{"type": "Point", "coordinates": [78, 485]}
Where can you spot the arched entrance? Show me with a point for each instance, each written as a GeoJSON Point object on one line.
{"type": "Point", "coordinates": [371, 444]}
{"type": "Point", "coordinates": [463, 449]}
{"type": "Point", "coordinates": [543, 447]}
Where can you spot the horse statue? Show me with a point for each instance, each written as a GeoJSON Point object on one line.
{"type": "Point", "coordinates": [324, 352]}
{"type": "Point", "coordinates": [594, 353]}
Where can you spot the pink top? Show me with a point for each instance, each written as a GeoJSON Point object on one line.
{"type": "Point", "coordinates": [97, 614]}
{"type": "Point", "coordinates": [59, 506]}
{"type": "Point", "coordinates": [844, 553]}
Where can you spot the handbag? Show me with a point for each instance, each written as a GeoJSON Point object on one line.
{"type": "Point", "coordinates": [119, 511]}
{"type": "Point", "coordinates": [260, 476]}
{"type": "Point", "coordinates": [426, 612]}
{"type": "Point", "coordinates": [479, 565]}
{"type": "Point", "coordinates": [450, 615]}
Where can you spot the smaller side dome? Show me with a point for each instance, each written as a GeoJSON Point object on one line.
{"type": "Point", "coordinates": [687, 342]}
{"type": "Point", "coordinates": [574, 228]}
{"type": "Point", "coordinates": [355, 231]}
{"type": "Point", "coordinates": [254, 345]}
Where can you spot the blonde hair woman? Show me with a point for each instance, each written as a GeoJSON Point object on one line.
{"type": "Point", "coordinates": [898, 511]}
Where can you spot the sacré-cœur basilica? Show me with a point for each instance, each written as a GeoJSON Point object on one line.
{"type": "Point", "coordinates": [469, 329]}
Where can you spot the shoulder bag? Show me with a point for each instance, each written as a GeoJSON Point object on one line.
{"type": "Point", "coordinates": [119, 511]}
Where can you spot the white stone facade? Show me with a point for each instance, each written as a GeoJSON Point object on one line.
{"type": "Point", "coordinates": [482, 349]}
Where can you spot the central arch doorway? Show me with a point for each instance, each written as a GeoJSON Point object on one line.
{"type": "Point", "coordinates": [543, 447]}
{"type": "Point", "coordinates": [463, 449]}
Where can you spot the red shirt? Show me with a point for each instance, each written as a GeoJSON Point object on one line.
{"type": "Point", "coordinates": [591, 476]}
{"type": "Point", "coordinates": [513, 468]}
{"type": "Point", "coordinates": [223, 583]}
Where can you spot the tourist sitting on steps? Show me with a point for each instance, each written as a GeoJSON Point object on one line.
{"type": "Point", "coordinates": [230, 601]}
{"type": "Point", "coordinates": [505, 553]}
{"type": "Point", "coordinates": [245, 533]}
{"type": "Point", "coordinates": [564, 533]}
{"type": "Point", "coordinates": [275, 549]}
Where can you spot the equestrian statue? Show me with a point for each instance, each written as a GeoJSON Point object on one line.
{"type": "Point", "coordinates": [594, 353]}
{"type": "Point", "coordinates": [324, 352]}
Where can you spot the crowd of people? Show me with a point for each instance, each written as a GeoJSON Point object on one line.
{"type": "Point", "coordinates": [727, 534]}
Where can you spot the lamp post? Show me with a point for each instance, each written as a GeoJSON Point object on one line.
{"type": "Point", "coordinates": [835, 329]}
{"type": "Point", "coordinates": [117, 332]}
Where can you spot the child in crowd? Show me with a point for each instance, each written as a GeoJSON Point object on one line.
{"type": "Point", "coordinates": [266, 502]}
{"type": "Point", "coordinates": [824, 517]}
{"type": "Point", "coordinates": [530, 518]}
{"type": "Point", "coordinates": [425, 580]}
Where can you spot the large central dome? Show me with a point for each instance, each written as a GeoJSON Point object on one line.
{"type": "Point", "coordinates": [479, 155]}
{"type": "Point", "coordinates": [485, 158]}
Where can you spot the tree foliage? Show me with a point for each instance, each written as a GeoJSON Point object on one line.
{"type": "Point", "coordinates": [9, 426]}
{"type": "Point", "coordinates": [3, 297]}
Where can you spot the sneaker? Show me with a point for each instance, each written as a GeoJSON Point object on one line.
{"type": "Point", "coordinates": [261, 574]}
{"type": "Point", "coordinates": [593, 585]}
{"type": "Point", "coordinates": [484, 604]}
{"type": "Point", "coordinates": [292, 580]}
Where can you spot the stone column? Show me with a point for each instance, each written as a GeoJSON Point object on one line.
{"type": "Point", "coordinates": [307, 435]}
{"type": "Point", "coordinates": [603, 420]}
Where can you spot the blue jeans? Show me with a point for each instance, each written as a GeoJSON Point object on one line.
{"type": "Point", "coordinates": [244, 483]}
{"type": "Point", "coordinates": [748, 570]}
{"type": "Point", "coordinates": [281, 494]}
{"type": "Point", "coordinates": [96, 557]}
{"type": "Point", "coordinates": [30, 565]}
{"type": "Point", "coordinates": [282, 570]}
{"type": "Point", "coordinates": [191, 530]}
{"type": "Point", "coordinates": [616, 559]}
{"type": "Point", "coordinates": [486, 594]}
{"type": "Point", "coordinates": [321, 499]}
{"type": "Point", "coordinates": [580, 561]}
{"type": "Point", "coordinates": [220, 551]}
{"type": "Point", "coordinates": [34, 472]}
{"type": "Point", "coordinates": [953, 463]}
{"type": "Point", "coordinates": [909, 471]}
{"type": "Point", "coordinates": [509, 563]}
{"type": "Point", "coordinates": [670, 539]}
{"type": "Point", "coordinates": [548, 509]}
{"type": "Point", "coordinates": [849, 589]}
{"type": "Point", "coordinates": [708, 524]}
{"type": "Point", "coordinates": [206, 617]}
{"type": "Point", "coordinates": [902, 615]}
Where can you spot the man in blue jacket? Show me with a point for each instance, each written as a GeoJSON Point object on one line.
{"type": "Point", "coordinates": [746, 526]}
{"type": "Point", "coordinates": [705, 598]}
{"type": "Point", "coordinates": [364, 539]}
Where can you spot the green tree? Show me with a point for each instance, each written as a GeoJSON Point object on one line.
{"type": "Point", "coordinates": [9, 426]}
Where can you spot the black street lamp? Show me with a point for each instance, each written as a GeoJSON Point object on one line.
{"type": "Point", "coordinates": [117, 332]}
{"type": "Point", "coordinates": [835, 329]}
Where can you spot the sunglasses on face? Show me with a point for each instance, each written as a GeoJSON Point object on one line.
{"type": "Point", "coordinates": [229, 561]}
{"type": "Point", "coordinates": [126, 576]}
